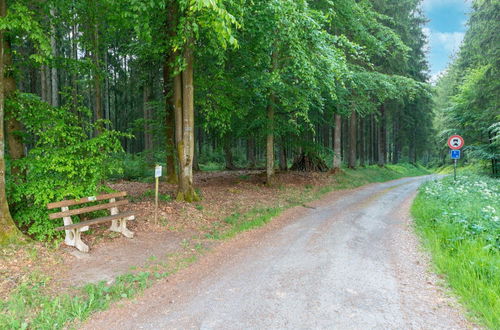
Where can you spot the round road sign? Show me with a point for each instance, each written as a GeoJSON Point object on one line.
{"type": "Point", "coordinates": [455, 142]}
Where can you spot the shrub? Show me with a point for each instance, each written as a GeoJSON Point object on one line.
{"type": "Point", "coordinates": [64, 162]}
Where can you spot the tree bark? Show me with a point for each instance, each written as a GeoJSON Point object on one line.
{"type": "Point", "coordinates": [337, 138]}
{"type": "Point", "coordinates": [382, 138]}
{"type": "Point", "coordinates": [97, 74]}
{"type": "Point", "coordinates": [8, 230]}
{"type": "Point", "coordinates": [228, 153]}
{"type": "Point", "coordinates": [185, 121]}
{"type": "Point", "coordinates": [352, 140]}
{"type": "Point", "coordinates": [283, 161]}
{"type": "Point", "coordinates": [251, 152]}
{"type": "Point", "coordinates": [270, 142]}
{"type": "Point", "coordinates": [146, 106]}
{"type": "Point", "coordinates": [54, 77]}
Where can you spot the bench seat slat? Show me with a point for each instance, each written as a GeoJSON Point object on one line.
{"type": "Point", "coordinates": [86, 200]}
{"type": "Point", "coordinates": [97, 220]}
{"type": "Point", "coordinates": [87, 209]}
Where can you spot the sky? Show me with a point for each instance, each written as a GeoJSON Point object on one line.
{"type": "Point", "coordinates": [445, 31]}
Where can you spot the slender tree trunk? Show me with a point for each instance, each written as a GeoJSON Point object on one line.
{"type": "Point", "coordinates": [251, 152]}
{"type": "Point", "coordinates": [362, 141]}
{"type": "Point", "coordinates": [173, 97]}
{"type": "Point", "coordinates": [228, 153]}
{"type": "Point", "coordinates": [382, 138]}
{"type": "Point", "coordinates": [97, 75]}
{"type": "Point", "coordinates": [270, 127]}
{"type": "Point", "coordinates": [337, 144]}
{"type": "Point", "coordinates": [8, 230]}
{"type": "Point", "coordinates": [146, 106]}
{"type": "Point", "coordinates": [283, 161]}
{"type": "Point", "coordinates": [352, 140]}
{"type": "Point", "coordinates": [54, 77]}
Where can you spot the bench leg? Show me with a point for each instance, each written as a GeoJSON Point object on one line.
{"type": "Point", "coordinates": [120, 226]}
{"type": "Point", "coordinates": [73, 238]}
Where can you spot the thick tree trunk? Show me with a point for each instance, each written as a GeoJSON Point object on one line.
{"type": "Point", "coordinates": [8, 230]}
{"type": "Point", "coordinates": [362, 141]}
{"type": "Point", "coordinates": [337, 145]}
{"type": "Point", "coordinates": [382, 138]}
{"type": "Point", "coordinates": [352, 140]}
{"type": "Point", "coordinates": [185, 146]}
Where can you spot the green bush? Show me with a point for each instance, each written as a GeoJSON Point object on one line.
{"type": "Point", "coordinates": [63, 163]}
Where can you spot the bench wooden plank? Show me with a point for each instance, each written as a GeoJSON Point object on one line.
{"type": "Point", "coordinates": [97, 220]}
{"type": "Point", "coordinates": [86, 200]}
{"type": "Point", "coordinates": [87, 209]}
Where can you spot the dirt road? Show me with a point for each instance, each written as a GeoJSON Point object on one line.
{"type": "Point", "coordinates": [348, 261]}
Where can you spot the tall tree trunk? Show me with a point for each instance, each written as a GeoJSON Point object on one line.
{"type": "Point", "coordinates": [251, 152]}
{"type": "Point", "coordinates": [382, 138]}
{"type": "Point", "coordinates": [54, 77]}
{"type": "Point", "coordinates": [270, 127]}
{"type": "Point", "coordinates": [146, 106]}
{"type": "Point", "coordinates": [171, 97]}
{"type": "Point", "coordinates": [362, 141]}
{"type": "Point", "coordinates": [337, 144]}
{"type": "Point", "coordinates": [185, 123]}
{"type": "Point", "coordinates": [282, 160]}
{"type": "Point", "coordinates": [228, 153]}
{"type": "Point", "coordinates": [97, 75]}
{"type": "Point", "coordinates": [14, 127]}
{"type": "Point", "coordinates": [8, 230]}
{"type": "Point", "coordinates": [270, 142]}
{"type": "Point", "coordinates": [352, 140]}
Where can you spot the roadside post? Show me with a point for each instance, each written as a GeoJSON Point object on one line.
{"type": "Point", "coordinates": [455, 142]}
{"type": "Point", "coordinates": [158, 169]}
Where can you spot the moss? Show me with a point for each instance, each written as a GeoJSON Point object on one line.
{"type": "Point", "coordinates": [189, 196]}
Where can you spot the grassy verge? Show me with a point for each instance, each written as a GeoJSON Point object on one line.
{"type": "Point", "coordinates": [30, 306]}
{"type": "Point", "coordinates": [459, 223]}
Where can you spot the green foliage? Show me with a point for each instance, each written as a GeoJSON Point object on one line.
{"type": "Point", "coordinates": [63, 163]}
{"type": "Point", "coordinates": [29, 307]}
{"type": "Point", "coordinates": [467, 95]}
{"type": "Point", "coordinates": [460, 224]}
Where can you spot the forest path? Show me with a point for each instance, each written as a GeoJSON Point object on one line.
{"type": "Point", "coordinates": [350, 260]}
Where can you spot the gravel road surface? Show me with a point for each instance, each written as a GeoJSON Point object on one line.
{"type": "Point", "coordinates": [349, 261]}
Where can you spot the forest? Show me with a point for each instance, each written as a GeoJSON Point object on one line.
{"type": "Point", "coordinates": [95, 90]}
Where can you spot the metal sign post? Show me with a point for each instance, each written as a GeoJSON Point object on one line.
{"type": "Point", "coordinates": [455, 142]}
{"type": "Point", "coordinates": [157, 179]}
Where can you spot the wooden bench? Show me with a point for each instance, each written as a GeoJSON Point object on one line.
{"type": "Point", "coordinates": [74, 230]}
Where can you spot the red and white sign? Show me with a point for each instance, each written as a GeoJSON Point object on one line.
{"type": "Point", "coordinates": [456, 142]}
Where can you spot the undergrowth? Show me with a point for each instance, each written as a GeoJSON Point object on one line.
{"type": "Point", "coordinates": [459, 223]}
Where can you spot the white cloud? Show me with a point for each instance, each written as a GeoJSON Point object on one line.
{"type": "Point", "coordinates": [450, 41]}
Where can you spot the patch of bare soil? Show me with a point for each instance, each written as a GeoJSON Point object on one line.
{"type": "Point", "coordinates": [181, 227]}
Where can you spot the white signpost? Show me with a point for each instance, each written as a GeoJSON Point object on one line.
{"type": "Point", "coordinates": [158, 170]}
{"type": "Point", "coordinates": [455, 142]}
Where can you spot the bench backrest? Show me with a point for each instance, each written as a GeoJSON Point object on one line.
{"type": "Point", "coordinates": [67, 213]}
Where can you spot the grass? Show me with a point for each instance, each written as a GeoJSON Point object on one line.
{"type": "Point", "coordinates": [459, 224]}
{"type": "Point", "coordinates": [30, 307]}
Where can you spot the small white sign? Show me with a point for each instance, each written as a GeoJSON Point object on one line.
{"type": "Point", "coordinates": [157, 171]}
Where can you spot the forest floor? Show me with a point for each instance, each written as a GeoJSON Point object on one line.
{"type": "Point", "coordinates": [232, 201]}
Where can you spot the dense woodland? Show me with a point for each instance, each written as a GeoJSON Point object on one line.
{"type": "Point", "coordinates": [467, 96]}
{"type": "Point", "coordinates": [271, 84]}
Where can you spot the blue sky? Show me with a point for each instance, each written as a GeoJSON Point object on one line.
{"type": "Point", "coordinates": [445, 30]}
